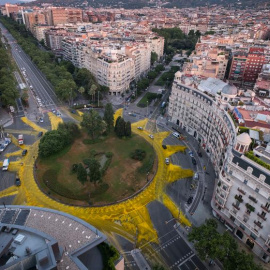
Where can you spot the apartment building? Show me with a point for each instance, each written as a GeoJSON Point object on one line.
{"type": "Point", "coordinates": [54, 36]}
{"type": "Point", "coordinates": [247, 65]}
{"type": "Point", "coordinates": [33, 18]}
{"type": "Point", "coordinates": [64, 15]}
{"type": "Point", "coordinates": [9, 8]}
{"type": "Point", "coordinates": [199, 113]}
{"type": "Point", "coordinates": [208, 61]}
{"type": "Point", "coordinates": [262, 85]}
{"type": "Point", "coordinates": [242, 198]}
{"type": "Point", "coordinates": [141, 55]}
{"type": "Point", "coordinates": [109, 64]}
{"type": "Point", "coordinates": [39, 31]}
{"type": "Point", "coordinates": [157, 45]}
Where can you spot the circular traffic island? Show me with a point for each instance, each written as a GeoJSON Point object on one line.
{"type": "Point", "coordinates": [100, 173]}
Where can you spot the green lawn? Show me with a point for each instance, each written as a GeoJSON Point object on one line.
{"type": "Point", "coordinates": [147, 97]}
{"type": "Point", "coordinates": [123, 177]}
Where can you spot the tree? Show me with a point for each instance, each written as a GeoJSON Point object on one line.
{"type": "Point", "coordinates": [65, 90]}
{"type": "Point", "coordinates": [94, 170]}
{"type": "Point", "coordinates": [109, 116]}
{"type": "Point", "coordinates": [154, 57]}
{"type": "Point", "coordinates": [152, 75]}
{"type": "Point", "coordinates": [210, 244]}
{"type": "Point", "coordinates": [81, 173]}
{"type": "Point", "coordinates": [120, 128]}
{"type": "Point", "coordinates": [128, 129]}
{"type": "Point", "coordinates": [81, 90]}
{"type": "Point", "coordinates": [205, 238]}
{"type": "Point", "coordinates": [116, 123]}
{"type": "Point", "coordinates": [93, 123]}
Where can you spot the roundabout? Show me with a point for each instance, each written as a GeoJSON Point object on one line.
{"type": "Point", "coordinates": [130, 218]}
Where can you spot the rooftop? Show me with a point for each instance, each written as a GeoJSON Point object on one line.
{"type": "Point", "coordinates": [41, 228]}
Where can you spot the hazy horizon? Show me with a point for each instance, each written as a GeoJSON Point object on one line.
{"type": "Point", "coordinates": [2, 2]}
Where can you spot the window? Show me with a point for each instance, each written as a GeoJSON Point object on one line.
{"type": "Point", "coordinates": [253, 236]}
{"type": "Point", "coordinates": [257, 190]}
{"type": "Point", "coordinates": [245, 182]}
{"type": "Point", "coordinates": [242, 227]}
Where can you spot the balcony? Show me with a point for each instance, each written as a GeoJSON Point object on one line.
{"type": "Point", "coordinates": [265, 208]}
{"type": "Point", "coordinates": [258, 224]}
{"type": "Point", "coordinates": [261, 216]}
{"type": "Point", "coordinates": [241, 191]}
{"type": "Point", "coordinates": [235, 206]}
{"type": "Point", "coordinates": [252, 199]}
{"type": "Point", "coordinates": [238, 198]}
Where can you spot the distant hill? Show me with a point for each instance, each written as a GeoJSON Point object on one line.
{"type": "Point", "coordinates": [132, 4]}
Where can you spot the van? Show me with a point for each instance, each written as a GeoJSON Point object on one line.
{"type": "Point", "coordinates": [5, 165]}
{"type": "Point", "coordinates": [176, 135]}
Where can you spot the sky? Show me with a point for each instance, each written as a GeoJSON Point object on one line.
{"type": "Point", "coordinates": [2, 2]}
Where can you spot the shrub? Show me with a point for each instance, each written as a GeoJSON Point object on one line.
{"type": "Point", "coordinates": [108, 154]}
{"type": "Point", "coordinates": [138, 154]}
{"type": "Point", "coordinates": [147, 165]}
{"type": "Point", "coordinates": [109, 256]}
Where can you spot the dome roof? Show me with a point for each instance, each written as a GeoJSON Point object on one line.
{"type": "Point", "coordinates": [229, 89]}
{"type": "Point", "coordinates": [243, 139]}
{"type": "Point", "coordinates": [178, 74]}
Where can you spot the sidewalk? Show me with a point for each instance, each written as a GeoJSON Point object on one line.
{"type": "Point", "coordinates": [6, 118]}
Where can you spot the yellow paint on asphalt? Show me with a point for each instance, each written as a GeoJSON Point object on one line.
{"type": "Point", "coordinates": [177, 214]}
{"type": "Point", "coordinates": [17, 153]}
{"type": "Point", "coordinates": [117, 114]}
{"type": "Point", "coordinates": [80, 113]}
{"type": "Point", "coordinates": [11, 191]}
{"type": "Point", "coordinates": [129, 218]}
{"type": "Point", "coordinates": [55, 120]}
{"type": "Point", "coordinates": [171, 149]}
{"type": "Point", "coordinates": [33, 125]}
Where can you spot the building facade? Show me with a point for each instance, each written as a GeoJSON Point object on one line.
{"type": "Point", "coordinates": [241, 198]}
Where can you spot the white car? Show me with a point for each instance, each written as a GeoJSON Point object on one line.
{"type": "Point", "coordinates": [176, 135]}
{"type": "Point", "coordinates": [41, 120]}
{"type": "Point", "coordinates": [196, 176]}
{"type": "Point", "coordinates": [151, 136]}
{"type": "Point", "coordinates": [140, 128]}
{"type": "Point", "coordinates": [167, 161]}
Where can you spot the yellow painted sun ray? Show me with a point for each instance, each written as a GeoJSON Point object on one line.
{"type": "Point", "coordinates": [129, 218]}
{"type": "Point", "coordinates": [175, 173]}
{"type": "Point", "coordinates": [167, 201]}
{"type": "Point", "coordinates": [55, 120]}
{"type": "Point", "coordinates": [117, 114]}
{"type": "Point", "coordinates": [9, 191]}
{"type": "Point", "coordinates": [33, 125]}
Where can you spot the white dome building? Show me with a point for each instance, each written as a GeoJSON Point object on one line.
{"type": "Point", "coordinates": [242, 143]}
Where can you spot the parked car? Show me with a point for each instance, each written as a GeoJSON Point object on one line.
{"type": "Point", "coordinates": [194, 162]}
{"type": "Point", "coordinates": [191, 154]}
{"type": "Point", "coordinates": [24, 152]}
{"type": "Point", "coordinates": [41, 120]}
{"type": "Point", "coordinates": [196, 176]}
{"type": "Point", "coordinates": [167, 161]}
{"type": "Point", "coordinates": [17, 182]}
{"type": "Point", "coordinates": [164, 146]}
{"type": "Point", "coordinates": [176, 135]}
{"type": "Point", "coordinates": [40, 134]}
{"type": "Point", "coordinates": [200, 154]}
{"type": "Point", "coordinates": [151, 136]}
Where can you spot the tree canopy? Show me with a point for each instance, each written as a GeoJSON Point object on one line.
{"type": "Point", "coordinates": [54, 141]}
{"type": "Point", "coordinates": [93, 123]}
{"type": "Point", "coordinates": [209, 243]}
{"type": "Point", "coordinates": [109, 116]}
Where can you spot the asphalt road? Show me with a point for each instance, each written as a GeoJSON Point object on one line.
{"type": "Point", "coordinates": [173, 248]}
{"type": "Point", "coordinates": [42, 89]}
